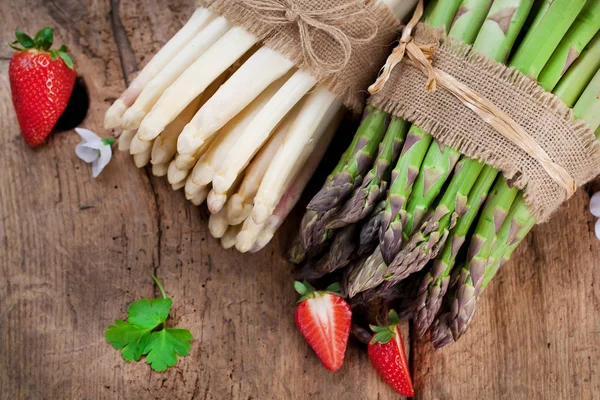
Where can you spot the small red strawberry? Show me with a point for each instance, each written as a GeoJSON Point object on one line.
{"type": "Point", "coordinates": [324, 319]}
{"type": "Point", "coordinates": [41, 81]}
{"type": "Point", "coordinates": [386, 351]}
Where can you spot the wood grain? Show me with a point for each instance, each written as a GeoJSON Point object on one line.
{"type": "Point", "coordinates": [76, 251]}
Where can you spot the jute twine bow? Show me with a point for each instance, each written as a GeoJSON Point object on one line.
{"type": "Point", "coordinates": [421, 58]}
{"type": "Point", "coordinates": [327, 21]}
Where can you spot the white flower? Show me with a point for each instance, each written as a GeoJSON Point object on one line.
{"type": "Point", "coordinates": [595, 209]}
{"type": "Point", "coordinates": [93, 149]}
{"type": "Point", "coordinates": [595, 205]}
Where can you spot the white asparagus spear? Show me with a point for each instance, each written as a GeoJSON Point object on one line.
{"type": "Point", "coordinates": [229, 238]}
{"type": "Point", "coordinates": [252, 78]}
{"type": "Point", "coordinates": [294, 191]}
{"type": "Point", "coordinates": [169, 74]}
{"type": "Point", "coordinates": [218, 58]}
{"type": "Point", "coordinates": [207, 165]}
{"type": "Point", "coordinates": [192, 189]}
{"type": "Point", "coordinates": [160, 169]}
{"type": "Point", "coordinates": [240, 204]}
{"type": "Point", "coordinates": [125, 140]}
{"type": "Point", "coordinates": [321, 109]}
{"type": "Point", "coordinates": [247, 237]}
{"type": "Point", "coordinates": [260, 128]}
{"type": "Point", "coordinates": [199, 197]}
{"type": "Point", "coordinates": [178, 185]}
{"type": "Point", "coordinates": [138, 146]}
{"type": "Point", "coordinates": [165, 145]}
{"type": "Point", "coordinates": [168, 148]}
{"type": "Point", "coordinates": [216, 201]}
{"type": "Point", "coordinates": [217, 224]}
{"type": "Point", "coordinates": [198, 20]}
{"type": "Point", "coordinates": [142, 159]}
{"type": "Point", "coordinates": [174, 174]}
{"type": "Point", "coordinates": [400, 8]}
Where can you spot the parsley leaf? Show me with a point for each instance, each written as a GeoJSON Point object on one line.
{"type": "Point", "coordinates": [149, 313]}
{"type": "Point", "coordinates": [164, 346]}
{"type": "Point", "coordinates": [145, 332]}
{"type": "Point", "coordinates": [128, 337]}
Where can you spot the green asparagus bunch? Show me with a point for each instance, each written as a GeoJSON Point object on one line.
{"type": "Point", "coordinates": [416, 205]}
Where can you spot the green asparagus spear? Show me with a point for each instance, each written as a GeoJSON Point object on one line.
{"type": "Point", "coordinates": [362, 152]}
{"type": "Point", "coordinates": [403, 177]}
{"type": "Point", "coordinates": [439, 160]}
{"type": "Point", "coordinates": [435, 283]}
{"type": "Point", "coordinates": [369, 230]}
{"type": "Point", "coordinates": [342, 249]}
{"type": "Point", "coordinates": [441, 335]}
{"type": "Point", "coordinates": [313, 228]}
{"type": "Point", "coordinates": [468, 19]}
{"type": "Point", "coordinates": [574, 82]}
{"type": "Point", "coordinates": [549, 27]}
{"type": "Point", "coordinates": [376, 181]}
{"type": "Point", "coordinates": [471, 281]}
{"type": "Point", "coordinates": [588, 105]}
{"type": "Point", "coordinates": [410, 259]}
{"type": "Point", "coordinates": [426, 243]}
{"type": "Point", "coordinates": [495, 39]}
{"type": "Point", "coordinates": [580, 33]}
{"type": "Point", "coordinates": [472, 274]}
{"type": "Point", "coordinates": [373, 270]}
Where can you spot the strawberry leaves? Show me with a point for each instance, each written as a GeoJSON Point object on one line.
{"type": "Point", "coordinates": [42, 41]}
{"type": "Point", "coordinates": [307, 291]}
{"type": "Point", "coordinates": [145, 333]}
{"type": "Point", "coordinates": [385, 333]}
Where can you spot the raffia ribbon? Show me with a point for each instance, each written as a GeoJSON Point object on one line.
{"type": "Point", "coordinates": [421, 58]}
{"type": "Point", "coordinates": [329, 21]}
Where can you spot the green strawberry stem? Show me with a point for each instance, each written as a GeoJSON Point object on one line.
{"type": "Point", "coordinates": [42, 41]}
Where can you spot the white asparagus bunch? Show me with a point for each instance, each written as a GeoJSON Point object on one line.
{"type": "Point", "coordinates": [231, 122]}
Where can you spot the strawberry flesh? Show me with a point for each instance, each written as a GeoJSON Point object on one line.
{"type": "Point", "coordinates": [324, 321]}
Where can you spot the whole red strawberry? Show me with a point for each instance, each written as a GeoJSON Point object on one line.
{"type": "Point", "coordinates": [324, 319]}
{"type": "Point", "coordinates": [386, 351]}
{"type": "Point", "coordinates": [41, 82]}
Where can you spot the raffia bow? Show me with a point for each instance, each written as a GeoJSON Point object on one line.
{"type": "Point", "coordinates": [329, 21]}
{"type": "Point", "coordinates": [421, 57]}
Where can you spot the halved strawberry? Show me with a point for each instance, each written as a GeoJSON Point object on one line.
{"type": "Point", "coordinates": [324, 319]}
{"type": "Point", "coordinates": [386, 351]}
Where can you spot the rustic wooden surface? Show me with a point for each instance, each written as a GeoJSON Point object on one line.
{"type": "Point", "coordinates": [76, 251]}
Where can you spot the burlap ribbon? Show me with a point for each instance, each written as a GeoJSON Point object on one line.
{"type": "Point", "coordinates": [342, 43]}
{"type": "Point", "coordinates": [490, 112]}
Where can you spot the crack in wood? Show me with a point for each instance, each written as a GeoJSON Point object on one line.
{"type": "Point", "coordinates": [128, 63]}
{"type": "Point", "coordinates": [126, 53]}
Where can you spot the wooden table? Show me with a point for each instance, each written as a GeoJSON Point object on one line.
{"type": "Point", "coordinates": [76, 251]}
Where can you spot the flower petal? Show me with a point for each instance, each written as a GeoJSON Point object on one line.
{"type": "Point", "coordinates": [598, 229]}
{"type": "Point", "coordinates": [86, 153]}
{"type": "Point", "coordinates": [595, 205]}
{"type": "Point", "coordinates": [87, 135]}
{"type": "Point", "coordinates": [99, 164]}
